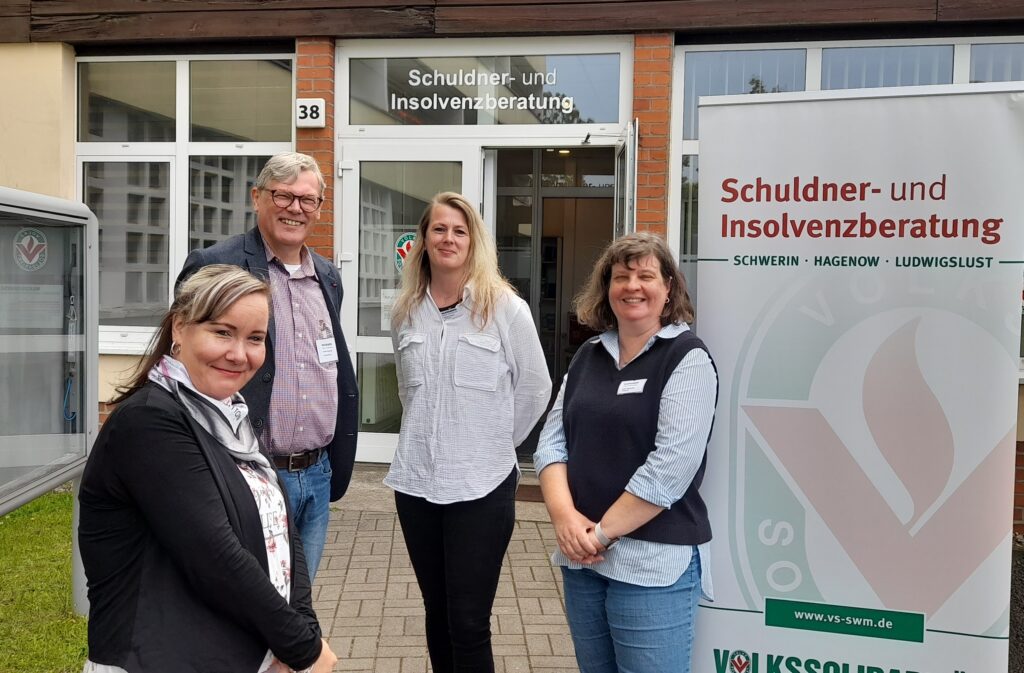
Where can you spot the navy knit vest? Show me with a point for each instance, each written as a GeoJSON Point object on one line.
{"type": "Point", "coordinates": [609, 436]}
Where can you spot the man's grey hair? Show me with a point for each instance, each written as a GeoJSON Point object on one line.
{"type": "Point", "coordinates": [286, 167]}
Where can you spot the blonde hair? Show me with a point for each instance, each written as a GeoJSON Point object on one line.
{"type": "Point", "coordinates": [482, 274]}
{"type": "Point", "coordinates": [204, 296]}
{"type": "Point", "coordinates": [592, 306]}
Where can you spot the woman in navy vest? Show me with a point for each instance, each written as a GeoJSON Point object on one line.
{"type": "Point", "coordinates": [621, 459]}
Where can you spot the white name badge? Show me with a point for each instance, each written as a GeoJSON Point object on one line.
{"type": "Point", "coordinates": [630, 387]}
{"type": "Point", "coordinates": [327, 350]}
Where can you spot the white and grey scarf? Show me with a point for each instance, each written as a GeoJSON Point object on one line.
{"type": "Point", "coordinates": [226, 420]}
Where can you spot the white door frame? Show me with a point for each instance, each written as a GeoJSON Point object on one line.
{"type": "Point", "coordinates": [378, 447]}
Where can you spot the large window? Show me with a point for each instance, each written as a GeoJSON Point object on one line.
{"type": "Point", "coordinates": [485, 90]}
{"type": "Point", "coordinates": [874, 67]}
{"type": "Point", "coordinates": [168, 152]}
{"type": "Point", "coordinates": [750, 69]}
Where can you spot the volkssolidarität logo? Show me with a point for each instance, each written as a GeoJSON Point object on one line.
{"type": "Point", "coordinates": [859, 433]}
{"type": "Point", "coordinates": [402, 247]}
{"type": "Point", "coordinates": [31, 249]}
{"type": "Point", "coordinates": [739, 662]}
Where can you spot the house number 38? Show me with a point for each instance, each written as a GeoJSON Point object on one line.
{"type": "Point", "coordinates": [310, 113]}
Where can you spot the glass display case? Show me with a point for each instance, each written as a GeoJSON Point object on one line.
{"type": "Point", "coordinates": [48, 319]}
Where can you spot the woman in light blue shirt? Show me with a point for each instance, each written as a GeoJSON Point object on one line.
{"type": "Point", "coordinates": [473, 382]}
{"type": "Point", "coordinates": [620, 460]}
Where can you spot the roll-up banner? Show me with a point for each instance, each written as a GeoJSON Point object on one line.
{"type": "Point", "coordinates": [859, 286]}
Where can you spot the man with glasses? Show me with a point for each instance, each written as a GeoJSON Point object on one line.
{"type": "Point", "coordinates": [303, 402]}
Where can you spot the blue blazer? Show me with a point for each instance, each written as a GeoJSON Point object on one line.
{"type": "Point", "coordinates": [247, 251]}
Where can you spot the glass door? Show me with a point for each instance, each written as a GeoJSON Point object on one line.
{"type": "Point", "coordinates": [384, 190]}
{"type": "Point", "coordinates": [626, 150]}
{"type": "Point", "coordinates": [554, 214]}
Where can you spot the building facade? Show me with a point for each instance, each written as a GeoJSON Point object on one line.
{"type": "Point", "coordinates": [568, 122]}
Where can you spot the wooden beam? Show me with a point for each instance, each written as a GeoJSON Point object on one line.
{"type": "Point", "coordinates": [980, 10]}
{"type": "Point", "coordinates": [404, 21]}
{"type": "Point", "coordinates": [75, 7]}
{"type": "Point", "coordinates": [674, 15]}
{"type": "Point", "coordinates": [14, 20]}
{"type": "Point", "coordinates": [492, 3]}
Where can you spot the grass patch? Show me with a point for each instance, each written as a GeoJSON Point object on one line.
{"type": "Point", "coordinates": [38, 627]}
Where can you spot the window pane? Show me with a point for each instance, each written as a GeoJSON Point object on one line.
{"type": "Point", "coordinates": [721, 73]}
{"type": "Point", "coordinates": [460, 90]}
{"type": "Point", "coordinates": [219, 197]}
{"type": "Point", "coordinates": [241, 100]}
{"type": "Point", "coordinates": [134, 228]}
{"type": "Point", "coordinates": [380, 410]}
{"type": "Point", "coordinates": [514, 238]}
{"type": "Point", "coordinates": [126, 102]}
{"type": "Point", "coordinates": [997, 62]}
{"type": "Point", "coordinates": [578, 167]}
{"type": "Point", "coordinates": [515, 168]}
{"type": "Point", "coordinates": [392, 196]}
{"type": "Point", "coordinates": [688, 239]}
{"type": "Point", "coordinates": [42, 414]}
{"type": "Point", "coordinates": [870, 67]}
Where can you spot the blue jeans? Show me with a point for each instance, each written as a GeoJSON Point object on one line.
{"type": "Point", "coordinates": [624, 628]}
{"type": "Point", "coordinates": [309, 497]}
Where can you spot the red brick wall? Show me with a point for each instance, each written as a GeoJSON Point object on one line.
{"type": "Point", "coordinates": [652, 102]}
{"type": "Point", "coordinates": [105, 410]}
{"type": "Point", "coordinates": [314, 78]}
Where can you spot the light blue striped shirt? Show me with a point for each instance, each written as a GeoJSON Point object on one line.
{"type": "Point", "coordinates": [684, 420]}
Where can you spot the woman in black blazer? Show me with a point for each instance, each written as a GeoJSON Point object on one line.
{"type": "Point", "coordinates": [191, 561]}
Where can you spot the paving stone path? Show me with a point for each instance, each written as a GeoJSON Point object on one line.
{"type": "Point", "coordinates": [370, 607]}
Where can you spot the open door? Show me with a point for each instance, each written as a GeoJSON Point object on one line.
{"type": "Point", "coordinates": [554, 215]}
{"type": "Point", "coordinates": [625, 179]}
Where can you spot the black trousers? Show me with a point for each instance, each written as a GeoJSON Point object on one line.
{"type": "Point", "coordinates": [456, 551]}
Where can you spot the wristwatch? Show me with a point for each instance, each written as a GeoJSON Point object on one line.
{"type": "Point", "coordinates": [605, 541]}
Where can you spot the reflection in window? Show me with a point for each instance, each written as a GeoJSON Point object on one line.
{"type": "Point", "coordinates": [126, 101]}
{"type": "Point", "coordinates": [688, 240]}
{"type": "Point", "coordinates": [380, 410]}
{"type": "Point", "coordinates": [219, 201]}
{"type": "Point", "coordinates": [240, 100]}
{"type": "Point", "coordinates": [721, 73]}
{"type": "Point", "coordinates": [458, 90]}
{"type": "Point", "coordinates": [514, 239]}
{"type": "Point", "coordinates": [134, 225]}
{"type": "Point", "coordinates": [42, 401]}
{"type": "Point", "coordinates": [577, 167]}
{"type": "Point", "coordinates": [515, 168]}
{"type": "Point", "coordinates": [392, 196]}
{"type": "Point", "coordinates": [997, 62]}
{"type": "Point", "coordinates": [869, 67]}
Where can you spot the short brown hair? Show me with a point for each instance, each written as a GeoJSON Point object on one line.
{"type": "Point", "coordinates": [592, 306]}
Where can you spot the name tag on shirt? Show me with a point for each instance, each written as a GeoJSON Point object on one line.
{"type": "Point", "coordinates": [630, 387]}
{"type": "Point", "coordinates": [327, 350]}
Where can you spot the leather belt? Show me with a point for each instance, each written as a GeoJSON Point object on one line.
{"type": "Point", "coordinates": [297, 461]}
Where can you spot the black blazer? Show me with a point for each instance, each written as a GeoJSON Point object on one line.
{"type": "Point", "coordinates": [173, 549]}
{"type": "Point", "coordinates": [247, 251]}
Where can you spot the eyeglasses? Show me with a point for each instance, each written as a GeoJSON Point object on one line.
{"type": "Point", "coordinates": [284, 199]}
